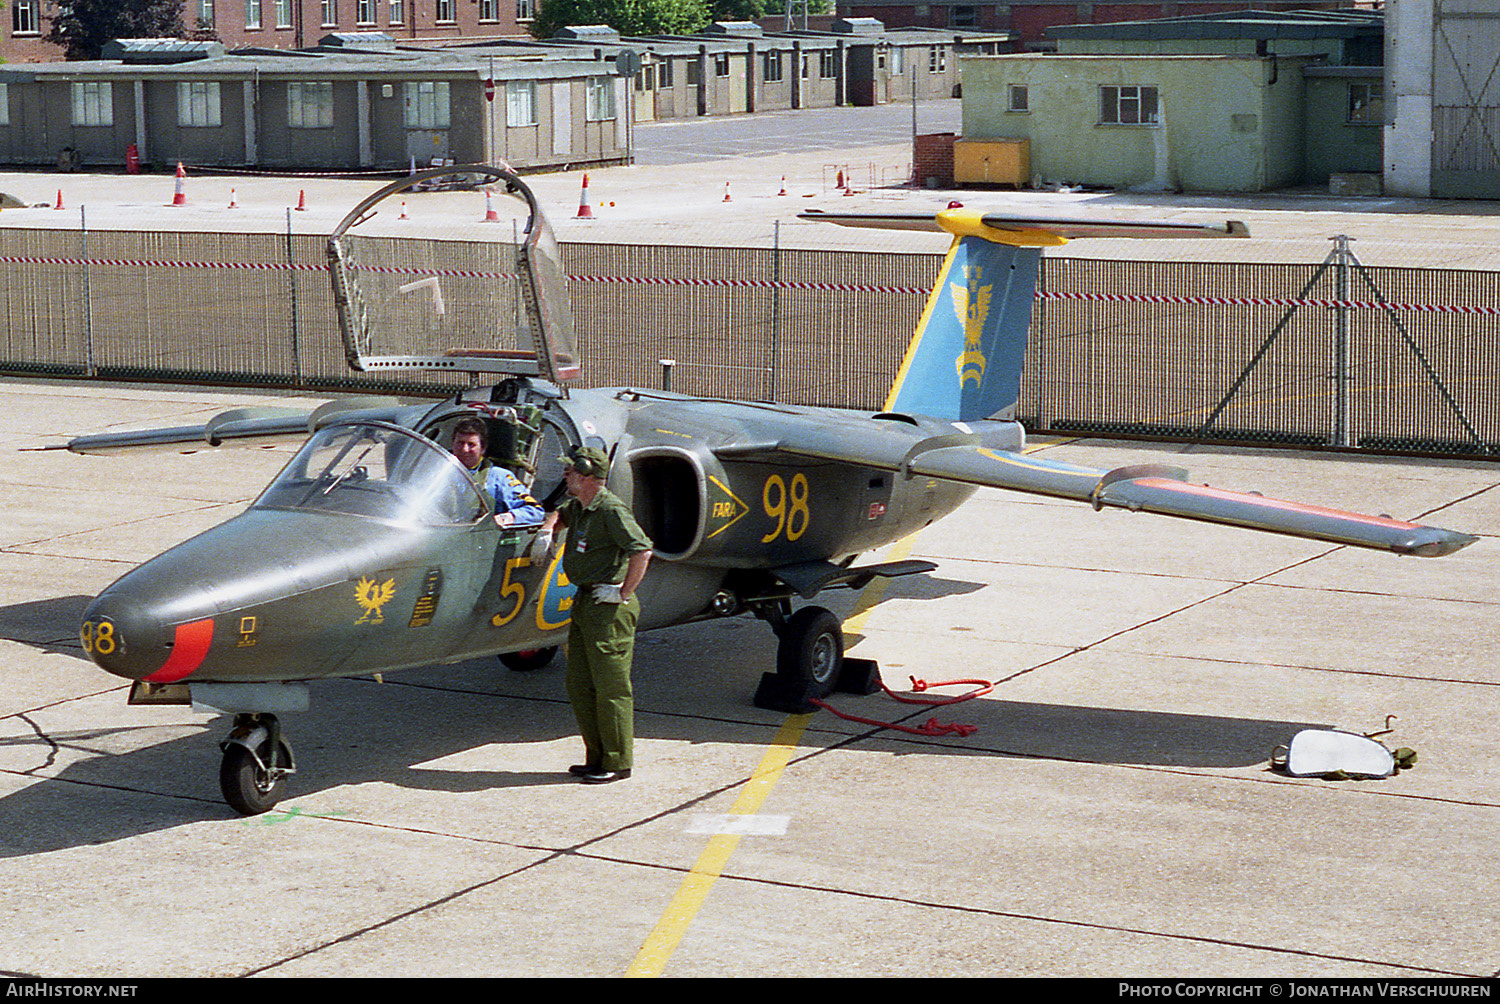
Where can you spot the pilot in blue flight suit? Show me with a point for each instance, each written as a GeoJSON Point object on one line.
{"type": "Point", "coordinates": [514, 506]}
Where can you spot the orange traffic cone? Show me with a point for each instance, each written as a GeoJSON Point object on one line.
{"type": "Point", "coordinates": [726, 192]}
{"type": "Point", "coordinates": [403, 211]}
{"type": "Point", "coordinates": [490, 216]}
{"type": "Point", "coordinates": [584, 212]}
{"type": "Point", "coordinates": [179, 196]}
{"type": "Point", "coordinates": [59, 200]}
{"type": "Point", "coordinates": [783, 185]}
{"type": "Point", "coordinates": [232, 204]}
{"type": "Point", "coordinates": [301, 200]}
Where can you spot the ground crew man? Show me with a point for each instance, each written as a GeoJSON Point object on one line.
{"type": "Point", "coordinates": [513, 505]}
{"type": "Point", "coordinates": [605, 557]}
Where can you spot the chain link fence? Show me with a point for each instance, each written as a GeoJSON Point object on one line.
{"type": "Point", "coordinates": [1306, 354]}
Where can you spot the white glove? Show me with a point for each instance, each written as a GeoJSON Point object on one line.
{"type": "Point", "coordinates": [540, 545]}
{"type": "Point", "coordinates": [605, 592]}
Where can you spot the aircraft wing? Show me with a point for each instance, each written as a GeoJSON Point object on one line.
{"type": "Point", "coordinates": [260, 426]}
{"type": "Point", "coordinates": [1142, 488]}
{"type": "Point", "coordinates": [1165, 490]}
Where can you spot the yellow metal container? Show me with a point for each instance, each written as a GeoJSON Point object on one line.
{"type": "Point", "coordinates": [992, 162]}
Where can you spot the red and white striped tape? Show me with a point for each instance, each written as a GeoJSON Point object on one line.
{"type": "Point", "coordinates": [834, 287]}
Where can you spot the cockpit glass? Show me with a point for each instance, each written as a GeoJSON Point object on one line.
{"type": "Point", "coordinates": [380, 472]}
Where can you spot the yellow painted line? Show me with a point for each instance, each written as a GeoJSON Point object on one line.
{"type": "Point", "coordinates": [664, 938]}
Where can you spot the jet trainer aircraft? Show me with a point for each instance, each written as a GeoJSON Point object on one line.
{"type": "Point", "coordinates": [372, 551]}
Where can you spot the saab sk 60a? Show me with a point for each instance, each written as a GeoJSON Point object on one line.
{"type": "Point", "coordinates": [372, 551]}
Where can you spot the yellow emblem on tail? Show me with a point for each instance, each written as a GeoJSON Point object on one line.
{"type": "Point", "coordinates": [971, 302]}
{"type": "Point", "coordinates": [371, 597]}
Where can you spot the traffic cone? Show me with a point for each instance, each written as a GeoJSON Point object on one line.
{"type": "Point", "coordinates": [726, 192]}
{"type": "Point", "coordinates": [490, 216]}
{"type": "Point", "coordinates": [839, 181]}
{"type": "Point", "coordinates": [783, 185]}
{"type": "Point", "coordinates": [179, 196]}
{"type": "Point", "coordinates": [301, 200]}
{"type": "Point", "coordinates": [59, 200]}
{"type": "Point", "coordinates": [403, 210]}
{"type": "Point", "coordinates": [232, 204]}
{"type": "Point", "coordinates": [584, 212]}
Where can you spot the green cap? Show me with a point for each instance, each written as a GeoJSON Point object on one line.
{"type": "Point", "coordinates": [590, 461]}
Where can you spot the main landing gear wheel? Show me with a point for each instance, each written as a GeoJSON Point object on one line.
{"type": "Point", "coordinates": [810, 655]}
{"type": "Point", "coordinates": [528, 659]}
{"type": "Point", "coordinates": [250, 775]}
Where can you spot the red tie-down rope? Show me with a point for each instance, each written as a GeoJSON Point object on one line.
{"type": "Point", "coordinates": [931, 727]}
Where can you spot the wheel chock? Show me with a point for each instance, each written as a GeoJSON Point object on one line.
{"type": "Point", "coordinates": [859, 676]}
{"type": "Point", "coordinates": [777, 693]}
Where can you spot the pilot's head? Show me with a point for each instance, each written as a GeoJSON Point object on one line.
{"type": "Point", "coordinates": [470, 438]}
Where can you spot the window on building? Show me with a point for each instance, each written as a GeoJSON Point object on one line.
{"type": "Point", "coordinates": [694, 73]}
{"type": "Point", "coordinates": [252, 13]}
{"type": "Point", "coordinates": [721, 64]}
{"type": "Point", "coordinates": [525, 10]}
{"type": "Point", "coordinates": [828, 64]}
{"type": "Point", "coordinates": [330, 13]}
{"type": "Point", "coordinates": [25, 17]}
{"type": "Point", "coordinates": [489, 10]}
{"type": "Point", "coordinates": [93, 104]}
{"type": "Point", "coordinates": [4, 104]}
{"type": "Point", "coordinates": [309, 104]}
{"type": "Point", "coordinates": [398, 11]}
{"type": "Point", "coordinates": [806, 65]}
{"type": "Point", "coordinates": [520, 102]}
{"type": "Point", "coordinates": [427, 104]}
{"type": "Point", "coordinates": [1127, 105]}
{"type": "Point", "coordinates": [1018, 99]}
{"type": "Point", "coordinates": [963, 16]}
{"type": "Point", "coordinates": [198, 103]}
{"type": "Point", "coordinates": [664, 73]}
{"type": "Point", "coordinates": [601, 99]}
{"type": "Point", "coordinates": [898, 62]}
{"type": "Point", "coordinates": [444, 10]}
{"type": "Point", "coordinates": [1367, 104]}
{"type": "Point", "coordinates": [364, 11]}
{"type": "Point", "coordinates": [770, 66]}
{"type": "Point", "coordinates": [205, 13]}
{"type": "Point", "coordinates": [937, 59]}
{"type": "Point", "coordinates": [283, 13]}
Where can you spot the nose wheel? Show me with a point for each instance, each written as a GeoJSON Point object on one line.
{"type": "Point", "coordinates": [256, 762]}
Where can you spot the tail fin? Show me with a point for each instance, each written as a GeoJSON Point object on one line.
{"type": "Point", "coordinates": [964, 361]}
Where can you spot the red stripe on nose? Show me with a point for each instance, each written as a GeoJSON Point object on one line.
{"type": "Point", "coordinates": [188, 649]}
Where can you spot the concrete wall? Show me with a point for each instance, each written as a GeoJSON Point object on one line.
{"type": "Point", "coordinates": [1228, 123]}
{"type": "Point", "coordinates": [1333, 144]}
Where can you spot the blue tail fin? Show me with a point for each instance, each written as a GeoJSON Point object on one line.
{"type": "Point", "coordinates": [964, 361]}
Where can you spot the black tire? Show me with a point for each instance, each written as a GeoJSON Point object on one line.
{"type": "Point", "coordinates": [528, 659]}
{"type": "Point", "coordinates": [245, 786]}
{"type": "Point", "coordinates": [810, 655]}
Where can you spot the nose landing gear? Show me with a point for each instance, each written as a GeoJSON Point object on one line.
{"type": "Point", "coordinates": [256, 761]}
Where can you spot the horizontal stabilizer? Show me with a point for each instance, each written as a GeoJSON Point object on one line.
{"type": "Point", "coordinates": [1067, 229]}
{"type": "Point", "coordinates": [1163, 490]}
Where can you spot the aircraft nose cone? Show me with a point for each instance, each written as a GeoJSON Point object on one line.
{"type": "Point", "coordinates": [127, 639]}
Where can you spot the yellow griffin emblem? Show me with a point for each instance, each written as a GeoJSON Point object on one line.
{"type": "Point", "coordinates": [971, 302]}
{"type": "Point", "coordinates": [371, 597]}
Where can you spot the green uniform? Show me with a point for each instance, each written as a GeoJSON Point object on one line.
{"type": "Point", "coordinates": [601, 638]}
